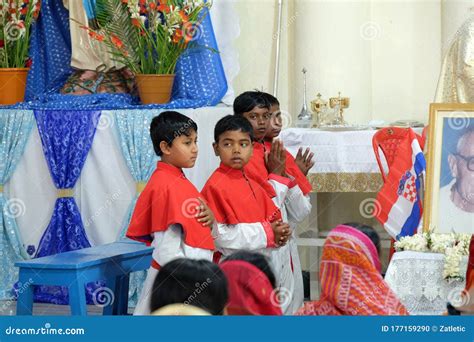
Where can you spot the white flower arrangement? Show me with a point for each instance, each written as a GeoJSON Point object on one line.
{"type": "Point", "coordinates": [454, 246]}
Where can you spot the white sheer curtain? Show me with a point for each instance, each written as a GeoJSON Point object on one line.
{"type": "Point", "coordinates": [105, 187]}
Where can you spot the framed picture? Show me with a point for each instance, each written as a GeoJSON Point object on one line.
{"type": "Point", "coordinates": [449, 201]}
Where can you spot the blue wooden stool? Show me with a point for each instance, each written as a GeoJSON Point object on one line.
{"type": "Point", "coordinates": [112, 262]}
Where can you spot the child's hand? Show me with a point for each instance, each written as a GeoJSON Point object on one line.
{"type": "Point", "coordinates": [281, 231]}
{"type": "Point", "coordinates": [205, 215]}
{"type": "Point", "coordinates": [304, 161]}
{"type": "Point", "coordinates": [276, 159]}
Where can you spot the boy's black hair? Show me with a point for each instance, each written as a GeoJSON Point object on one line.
{"type": "Point", "coordinates": [248, 100]}
{"type": "Point", "coordinates": [272, 100]}
{"type": "Point", "coordinates": [258, 260]}
{"type": "Point", "coordinates": [200, 283]}
{"type": "Point", "coordinates": [169, 125]}
{"type": "Point", "coordinates": [367, 230]}
{"type": "Point", "coordinates": [232, 123]}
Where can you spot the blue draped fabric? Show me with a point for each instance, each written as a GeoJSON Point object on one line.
{"type": "Point", "coordinates": [66, 137]}
{"type": "Point", "coordinates": [200, 79]}
{"type": "Point", "coordinates": [137, 149]}
{"type": "Point", "coordinates": [15, 128]}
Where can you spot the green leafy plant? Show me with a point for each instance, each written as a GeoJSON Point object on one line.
{"type": "Point", "coordinates": [16, 20]}
{"type": "Point", "coordinates": [148, 36]}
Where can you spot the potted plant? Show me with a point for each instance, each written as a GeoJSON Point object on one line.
{"type": "Point", "coordinates": [148, 37]}
{"type": "Point", "coordinates": [16, 19]}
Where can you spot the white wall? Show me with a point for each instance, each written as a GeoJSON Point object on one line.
{"type": "Point", "coordinates": [384, 55]}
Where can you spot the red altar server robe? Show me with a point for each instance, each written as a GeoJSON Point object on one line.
{"type": "Point", "coordinates": [242, 209]}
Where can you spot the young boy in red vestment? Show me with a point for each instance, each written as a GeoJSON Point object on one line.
{"type": "Point", "coordinates": [246, 217]}
{"type": "Point", "coordinates": [297, 205]}
{"type": "Point", "coordinates": [170, 213]}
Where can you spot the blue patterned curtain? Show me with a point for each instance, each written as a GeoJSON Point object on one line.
{"type": "Point", "coordinates": [200, 79]}
{"type": "Point", "coordinates": [137, 149]}
{"type": "Point", "coordinates": [66, 137]}
{"type": "Point", "coordinates": [15, 128]}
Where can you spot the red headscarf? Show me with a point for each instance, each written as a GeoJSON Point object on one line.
{"type": "Point", "coordinates": [250, 291]}
{"type": "Point", "coordinates": [351, 283]}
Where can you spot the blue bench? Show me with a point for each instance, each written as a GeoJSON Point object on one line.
{"type": "Point", "coordinates": [111, 263]}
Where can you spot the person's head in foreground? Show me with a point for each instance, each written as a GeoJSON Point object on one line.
{"type": "Point", "coordinates": [461, 164]}
{"type": "Point", "coordinates": [199, 283]}
{"type": "Point", "coordinates": [351, 283]}
{"type": "Point", "coordinates": [254, 106]}
{"type": "Point", "coordinates": [275, 123]}
{"type": "Point", "coordinates": [233, 136]}
{"type": "Point", "coordinates": [465, 302]}
{"type": "Point", "coordinates": [174, 138]}
{"type": "Point", "coordinates": [251, 285]}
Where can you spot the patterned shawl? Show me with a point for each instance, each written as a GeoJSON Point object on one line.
{"type": "Point", "coordinates": [351, 283]}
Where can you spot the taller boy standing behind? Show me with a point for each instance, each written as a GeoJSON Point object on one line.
{"type": "Point", "coordinates": [170, 215]}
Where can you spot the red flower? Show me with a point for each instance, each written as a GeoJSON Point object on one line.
{"type": "Point", "coordinates": [2, 43]}
{"type": "Point", "coordinates": [124, 1]}
{"type": "Point", "coordinates": [152, 5]}
{"type": "Point", "coordinates": [24, 10]}
{"type": "Point", "coordinates": [142, 2]}
{"type": "Point", "coordinates": [28, 62]}
{"type": "Point", "coordinates": [177, 36]}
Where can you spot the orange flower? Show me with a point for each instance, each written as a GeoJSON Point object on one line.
{"type": "Point", "coordinates": [96, 36]}
{"type": "Point", "coordinates": [116, 41]}
{"type": "Point", "coordinates": [152, 5]}
{"type": "Point", "coordinates": [124, 1]}
{"type": "Point", "coordinates": [183, 16]}
{"type": "Point", "coordinates": [163, 7]}
{"type": "Point", "coordinates": [136, 22]}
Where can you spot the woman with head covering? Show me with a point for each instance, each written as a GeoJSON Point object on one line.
{"type": "Point", "coordinates": [351, 283]}
{"type": "Point", "coordinates": [251, 284]}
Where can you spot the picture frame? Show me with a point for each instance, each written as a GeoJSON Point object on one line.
{"type": "Point", "coordinates": [449, 194]}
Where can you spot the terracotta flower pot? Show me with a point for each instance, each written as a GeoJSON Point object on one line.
{"type": "Point", "coordinates": [154, 88]}
{"type": "Point", "coordinates": [12, 85]}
